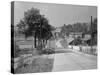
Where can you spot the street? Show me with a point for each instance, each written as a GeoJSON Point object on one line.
{"type": "Point", "coordinates": [71, 60]}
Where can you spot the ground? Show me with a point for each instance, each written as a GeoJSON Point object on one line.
{"type": "Point", "coordinates": [64, 59]}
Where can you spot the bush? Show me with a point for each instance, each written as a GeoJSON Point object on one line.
{"type": "Point", "coordinates": [48, 51]}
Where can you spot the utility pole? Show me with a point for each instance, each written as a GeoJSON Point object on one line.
{"type": "Point", "coordinates": [91, 26]}
{"type": "Point", "coordinates": [91, 35]}
{"type": "Point", "coordinates": [35, 39]}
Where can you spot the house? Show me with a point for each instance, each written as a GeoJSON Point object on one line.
{"type": "Point", "coordinates": [75, 34]}
{"type": "Point", "coordinates": [86, 37]}
{"type": "Point", "coordinates": [79, 38]}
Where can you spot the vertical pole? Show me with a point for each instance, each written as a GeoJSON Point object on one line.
{"type": "Point", "coordinates": [91, 26]}
{"type": "Point", "coordinates": [35, 40]}
{"type": "Point", "coordinates": [91, 36]}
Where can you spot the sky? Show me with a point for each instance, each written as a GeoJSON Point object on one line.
{"type": "Point", "coordinates": [57, 14]}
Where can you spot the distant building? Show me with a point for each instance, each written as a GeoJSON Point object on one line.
{"type": "Point", "coordinates": [56, 33]}
{"type": "Point", "coordinates": [87, 36]}
{"type": "Point", "coordinates": [75, 34]}
{"type": "Point", "coordinates": [82, 40]}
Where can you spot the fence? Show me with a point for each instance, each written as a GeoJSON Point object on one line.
{"type": "Point", "coordinates": [85, 49]}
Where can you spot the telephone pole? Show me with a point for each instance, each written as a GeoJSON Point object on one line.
{"type": "Point", "coordinates": [91, 35]}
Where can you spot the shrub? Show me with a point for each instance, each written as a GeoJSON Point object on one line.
{"type": "Point", "coordinates": [48, 51]}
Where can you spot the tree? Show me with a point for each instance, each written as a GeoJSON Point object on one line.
{"type": "Point", "coordinates": [76, 27]}
{"type": "Point", "coordinates": [21, 27]}
{"type": "Point", "coordinates": [36, 25]}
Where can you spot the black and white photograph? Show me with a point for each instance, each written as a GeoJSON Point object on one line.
{"type": "Point", "coordinates": [50, 37]}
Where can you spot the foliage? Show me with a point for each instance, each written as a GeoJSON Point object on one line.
{"type": "Point", "coordinates": [36, 25]}
{"type": "Point", "coordinates": [84, 28]}
{"type": "Point", "coordinates": [48, 51]}
{"type": "Point", "coordinates": [77, 27]}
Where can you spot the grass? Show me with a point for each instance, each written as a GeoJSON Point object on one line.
{"type": "Point", "coordinates": [38, 65]}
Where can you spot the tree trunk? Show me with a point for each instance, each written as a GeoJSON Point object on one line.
{"type": "Point", "coordinates": [35, 40]}
{"type": "Point", "coordinates": [43, 43]}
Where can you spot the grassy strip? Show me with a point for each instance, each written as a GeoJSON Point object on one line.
{"type": "Point", "coordinates": [38, 65]}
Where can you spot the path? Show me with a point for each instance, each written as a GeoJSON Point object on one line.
{"type": "Point", "coordinates": [58, 44]}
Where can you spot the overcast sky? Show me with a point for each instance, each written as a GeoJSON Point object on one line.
{"type": "Point", "coordinates": [57, 14]}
